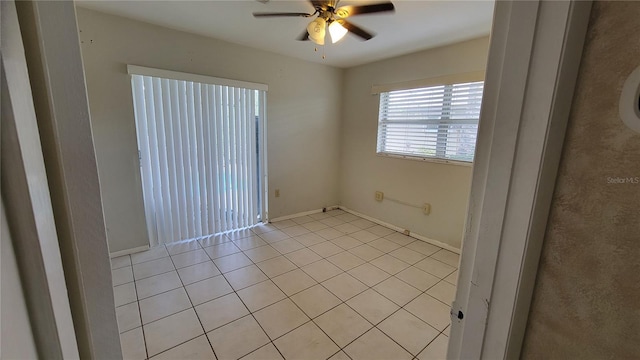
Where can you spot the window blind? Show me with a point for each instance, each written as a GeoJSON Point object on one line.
{"type": "Point", "coordinates": [200, 154]}
{"type": "Point", "coordinates": [431, 122]}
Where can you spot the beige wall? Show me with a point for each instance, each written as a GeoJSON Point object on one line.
{"type": "Point", "coordinates": [303, 114]}
{"type": "Point", "coordinates": [322, 124]}
{"type": "Point", "coordinates": [445, 187]}
{"type": "Point", "coordinates": [585, 304]}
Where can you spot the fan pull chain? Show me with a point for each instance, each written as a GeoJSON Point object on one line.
{"type": "Point", "coordinates": [323, 54]}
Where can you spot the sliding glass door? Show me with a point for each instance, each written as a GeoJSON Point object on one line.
{"type": "Point", "coordinates": [201, 155]}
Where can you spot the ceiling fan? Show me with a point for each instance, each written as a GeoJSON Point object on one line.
{"type": "Point", "coordinates": [332, 17]}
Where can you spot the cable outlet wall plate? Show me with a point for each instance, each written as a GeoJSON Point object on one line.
{"type": "Point", "coordinates": [629, 106]}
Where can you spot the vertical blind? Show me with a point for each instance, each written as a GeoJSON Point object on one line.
{"type": "Point", "coordinates": [200, 156]}
{"type": "Point", "coordinates": [431, 122]}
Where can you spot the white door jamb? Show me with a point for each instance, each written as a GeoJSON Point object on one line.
{"type": "Point", "coordinates": [534, 57]}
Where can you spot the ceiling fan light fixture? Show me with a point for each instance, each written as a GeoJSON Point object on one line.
{"type": "Point", "coordinates": [337, 31]}
{"type": "Point", "coordinates": [328, 13]}
{"type": "Point", "coordinates": [317, 30]}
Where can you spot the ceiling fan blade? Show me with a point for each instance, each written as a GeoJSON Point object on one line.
{"type": "Point", "coordinates": [316, 3]}
{"type": "Point", "coordinates": [304, 37]}
{"type": "Point", "coordinates": [356, 30]}
{"type": "Point", "coordinates": [346, 11]}
{"type": "Point", "coordinates": [285, 14]}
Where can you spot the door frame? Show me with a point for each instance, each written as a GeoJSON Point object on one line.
{"type": "Point", "coordinates": [534, 58]}
{"type": "Point", "coordinates": [53, 75]}
{"type": "Point", "coordinates": [27, 202]}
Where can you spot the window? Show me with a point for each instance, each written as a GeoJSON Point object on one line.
{"type": "Point", "coordinates": [436, 122]}
{"type": "Point", "coordinates": [201, 153]}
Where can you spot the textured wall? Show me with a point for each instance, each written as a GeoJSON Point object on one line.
{"type": "Point", "coordinates": [586, 303]}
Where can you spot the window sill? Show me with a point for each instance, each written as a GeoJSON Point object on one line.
{"type": "Point", "coordinates": [424, 159]}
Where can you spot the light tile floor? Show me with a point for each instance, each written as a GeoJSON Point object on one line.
{"type": "Point", "coordinates": [328, 285]}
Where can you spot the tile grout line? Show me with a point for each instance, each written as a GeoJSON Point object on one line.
{"type": "Point", "coordinates": [174, 269]}
{"type": "Point", "coordinates": [294, 303]}
{"type": "Point", "coordinates": [356, 311]}
{"type": "Point", "coordinates": [251, 313]}
{"type": "Point", "coordinates": [372, 287]}
{"type": "Point", "coordinates": [246, 307]}
{"type": "Point", "coordinates": [345, 303]}
{"type": "Point", "coordinates": [199, 243]}
{"type": "Point", "coordinates": [194, 310]}
{"type": "Point", "coordinates": [326, 258]}
{"type": "Point", "coordinates": [144, 338]}
{"type": "Point", "coordinates": [318, 283]}
{"type": "Point", "coordinates": [193, 306]}
{"type": "Point", "coordinates": [183, 286]}
{"type": "Point", "coordinates": [289, 298]}
{"type": "Point", "coordinates": [269, 278]}
{"type": "Point", "coordinates": [380, 322]}
{"type": "Point", "coordinates": [376, 327]}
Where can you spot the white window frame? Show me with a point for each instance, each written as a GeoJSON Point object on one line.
{"type": "Point", "coordinates": [447, 80]}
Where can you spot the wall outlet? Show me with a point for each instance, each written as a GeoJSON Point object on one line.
{"type": "Point", "coordinates": [379, 195]}
{"type": "Point", "coordinates": [277, 192]}
{"type": "Point", "coordinates": [426, 208]}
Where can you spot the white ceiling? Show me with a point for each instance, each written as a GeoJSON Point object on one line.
{"type": "Point", "coordinates": [415, 25]}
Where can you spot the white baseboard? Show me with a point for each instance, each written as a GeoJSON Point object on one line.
{"type": "Point", "coordinates": [304, 213]}
{"type": "Point", "coordinates": [399, 229]}
{"type": "Point", "coordinates": [328, 208]}
{"type": "Point", "coordinates": [129, 251]}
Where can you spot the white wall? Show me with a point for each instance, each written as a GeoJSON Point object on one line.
{"type": "Point", "coordinates": [446, 187]}
{"type": "Point", "coordinates": [303, 114]}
